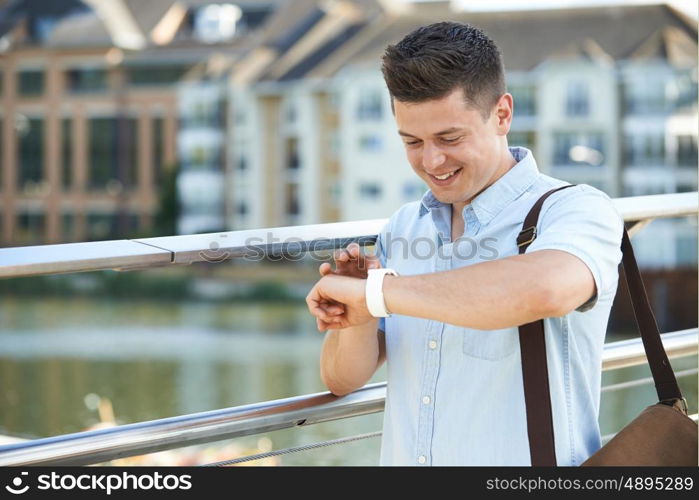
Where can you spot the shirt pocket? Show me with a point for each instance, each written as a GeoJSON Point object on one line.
{"type": "Point", "coordinates": [490, 345]}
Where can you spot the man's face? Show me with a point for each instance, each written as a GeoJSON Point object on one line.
{"type": "Point", "coordinates": [444, 136]}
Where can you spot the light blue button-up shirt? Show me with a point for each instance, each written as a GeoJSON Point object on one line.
{"type": "Point", "coordinates": [455, 395]}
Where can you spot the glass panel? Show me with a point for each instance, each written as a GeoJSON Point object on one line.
{"type": "Point", "coordinates": [577, 102]}
{"type": "Point", "coordinates": [292, 199]}
{"type": "Point", "coordinates": [68, 227]}
{"type": "Point", "coordinates": [370, 105]}
{"type": "Point", "coordinates": [292, 153]}
{"type": "Point", "coordinates": [578, 148]}
{"type": "Point", "coordinates": [155, 75]}
{"type": "Point", "coordinates": [67, 152]}
{"type": "Point", "coordinates": [524, 100]}
{"type": "Point", "coordinates": [30, 135]}
{"type": "Point", "coordinates": [370, 191]}
{"type": "Point", "coordinates": [687, 150]}
{"type": "Point", "coordinates": [101, 227]}
{"type": "Point", "coordinates": [86, 80]}
{"type": "Point", "coordinates": [112, 141]}
{"type": "Point", "coordinates": [30, 229]}
{"type": "Point", "coordinates": [31, 83]}
{"type": "Point", "coordinates": [158, 152]}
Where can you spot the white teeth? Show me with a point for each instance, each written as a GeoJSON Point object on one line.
{"type": "Point", "coordinates": [445, 176]}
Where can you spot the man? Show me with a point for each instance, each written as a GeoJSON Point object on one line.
{"type": "Point", "coordinates": [455, 393]}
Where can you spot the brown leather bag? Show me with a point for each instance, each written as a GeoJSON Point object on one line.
{"type": "Point", "coordinates": [662, 435]}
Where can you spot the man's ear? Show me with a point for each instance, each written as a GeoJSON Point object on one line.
{"type": "Point", "coordinates": [503, 113]}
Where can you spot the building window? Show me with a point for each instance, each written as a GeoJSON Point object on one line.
{"type": "Point", "coordinates": [687, 151]}
{"type": "Point", "coordinates": [645, 96]}
{"type": "Point", "coordinates": [30, 135]}
{"type": "Point", "coordinates": [155, 75]}
{"type": "Point", "coordinates": [216, 23]}
{"type": "Point", "coordinates": [68, 227]}
{"type": "Point", "coordinates": [30, 228]}
{"type": "Point", "coordinates": [158, 151]}
{"type": "Point", "coordinates": [31, 83]}
{"type": "Point", "coordinates": [2, 144]}
{"type": "Point", "coordinates": [67, 152]}
{"type": "Point", "coordinates": [80, 81]}
{"type": "Point", "coordinates": [293, 207]}
{"type": "Point", "coordinates": [578, 148]}
{"type": "Point", "coordinates": [687, 250]}
{"type": "Point", "coordinates": [112, 152]}
{"type": "Point", "coordinates": [101, 227]}
{"type": "Point", "coordinates": [370, 143]}
{"type": "Point", "coordinates": [577, 99]}
{"type": "Point", "coordinates": [370, 105]}
{"type": "Point", "coordinates": [370, 191]}
{"type": "Point", "coordinates": [293, 161]}
{"type": "Point", "coordinates": [687, 88]}
{"type": "Point", "coordinates": [644, 150]}
{"type": "Point", "coordinates": [241, 209]}
{"type": "Point", "coordinates": [524, 100]}
{"type": "Point", "coordinates": [290, 113]}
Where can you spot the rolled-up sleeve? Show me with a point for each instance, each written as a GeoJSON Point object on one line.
{"type": "Point", "coordinates": [584, 222]}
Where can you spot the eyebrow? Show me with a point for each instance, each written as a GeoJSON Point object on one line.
{"type": "Point", "coordinates": [443, 132]}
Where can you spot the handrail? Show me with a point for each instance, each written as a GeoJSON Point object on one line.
{"type": "Point", "coordinates": [156, 435]}
{"type": "Point", "coordinates": [216, 247]}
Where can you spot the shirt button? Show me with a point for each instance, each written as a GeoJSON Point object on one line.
{"type": "Point", "coordinates": [426, 400]}
{"type": "Point", "coordinates": [422, 459]}
{"type": "Point", "coordinates": [432, 344]}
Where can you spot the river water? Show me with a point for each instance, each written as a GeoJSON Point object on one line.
{"type": "Point", "coordinates": [60, 358]}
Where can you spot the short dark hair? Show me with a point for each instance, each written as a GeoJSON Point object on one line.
{"type": "Point", "coordinates": [434, 60]}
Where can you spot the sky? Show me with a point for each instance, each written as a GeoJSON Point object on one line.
{"type": "Point", "coordinates": [690, 7]}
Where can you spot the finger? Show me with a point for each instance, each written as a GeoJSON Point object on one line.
{"type": "Point", "coordinates": [353, 250]}
{"type": "Point", "coordinates": [313, 301]}
{"type": "Point", "coordinates": [321, 311]}
{"type": "Point", "coordinates": [344, 256]}
{"type": "Point", "coordinates": [373, 263]}
{"type": "Point", "coordinates": [325, 268]}
{"type": "Point", "coordinates": [335, 309]}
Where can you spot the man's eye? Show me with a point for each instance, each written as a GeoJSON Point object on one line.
{"type": "Point", "coordinates": [449, 140]}
{"type": "Point", "coordinates": [412, 143]}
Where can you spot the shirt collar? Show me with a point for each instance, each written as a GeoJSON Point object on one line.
{"type": "Point", "coordinates": [501, 193]}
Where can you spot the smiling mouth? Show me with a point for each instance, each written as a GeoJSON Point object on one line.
{"type": "Point", "coordinates": [446, 176]}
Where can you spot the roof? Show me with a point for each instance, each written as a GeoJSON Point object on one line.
{"type": "Point", "coordinates": [527, 38]}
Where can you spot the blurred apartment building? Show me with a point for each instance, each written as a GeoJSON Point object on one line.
{"type": "Point", "coordinates": [89, 110]}
{"type": "Point", "coordinates": [604, 95]}
{"type": "Point", "coordinates": [281, 117]}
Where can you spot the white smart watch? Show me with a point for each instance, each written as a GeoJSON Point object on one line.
{"type": "Point", "coordinates": [374, 292]}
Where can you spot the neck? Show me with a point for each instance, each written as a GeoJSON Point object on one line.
{"type": "Point", "coordinates": [506, 162]}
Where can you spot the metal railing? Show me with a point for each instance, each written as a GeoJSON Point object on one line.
{"type": "Point", "coordinates": [157, 435]}
{"type": "Point", "coordinates": [216, 247]}
{"type": "Point", "coordinates": [145, 437]}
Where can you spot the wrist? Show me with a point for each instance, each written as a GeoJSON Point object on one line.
{"type": "Point", "coordinates": [389, 284]}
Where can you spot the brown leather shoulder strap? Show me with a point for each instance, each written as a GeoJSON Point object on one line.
{"type": "Point", "coordinates": [533, 349]}
{"type": "Point", "coordinates": [532, 344]}
{"type": "Point", "coordinates": [664, 378]}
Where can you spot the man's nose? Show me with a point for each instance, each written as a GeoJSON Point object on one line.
{"type": "Point", "coordinates": [432, 157]}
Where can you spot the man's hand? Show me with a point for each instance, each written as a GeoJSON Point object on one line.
{"type": "Point", "coordinates": [348, 262]}
{"type": "Point", "coordinates": [351, 262]}
{"type": "Point", "coordinates": [338, 302]}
